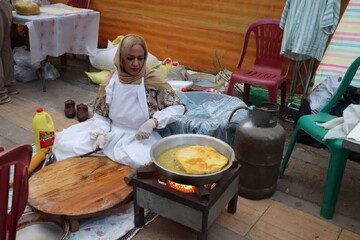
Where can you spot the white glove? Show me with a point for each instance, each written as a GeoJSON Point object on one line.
{"type": "Point", "coordinates": [99, 142]}
{"type": "Point", "coordinates": [145, 130]}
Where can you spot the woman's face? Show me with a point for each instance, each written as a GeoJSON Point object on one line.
{"type": "Point", "coordinates": [134, 61]}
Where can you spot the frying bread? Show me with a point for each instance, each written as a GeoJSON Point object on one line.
{"type": "Point", "coordinates": [197, 159]}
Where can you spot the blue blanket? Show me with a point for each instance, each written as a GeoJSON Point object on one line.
{"type": "Point", "coordinates": [208, 113]}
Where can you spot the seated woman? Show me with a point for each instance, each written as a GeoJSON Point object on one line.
{"type": "Point", "coordinates": [129, 105]}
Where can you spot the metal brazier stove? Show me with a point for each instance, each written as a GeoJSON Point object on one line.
{"type": "Point", "coordinates": [196, 210]}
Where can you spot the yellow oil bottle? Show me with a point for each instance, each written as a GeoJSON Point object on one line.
{"type": "Point", "coordinates": [44, 131]}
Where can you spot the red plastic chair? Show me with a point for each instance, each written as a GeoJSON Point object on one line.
{"type": "Point", "coordinates": [78, 4]}
{"type": "Point", "coordinates": [17, 158]}
{"type": "Point", "coordinates": [266, 70]}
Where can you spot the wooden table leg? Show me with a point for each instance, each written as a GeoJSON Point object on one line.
{"type": "Point", "coordinates": [74, 225]}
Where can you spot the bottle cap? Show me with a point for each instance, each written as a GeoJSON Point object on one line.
{"type": "Point", "coordinates": [39, 109]}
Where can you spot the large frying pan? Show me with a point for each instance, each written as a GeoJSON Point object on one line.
{"type": "Point", "coordinates": [191, 139]}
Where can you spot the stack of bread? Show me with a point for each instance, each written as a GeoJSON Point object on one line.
{"type": "Point", "coordinates": [27, 7]}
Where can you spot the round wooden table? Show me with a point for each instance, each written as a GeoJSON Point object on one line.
{"type": "Point", "coordinates": [61, 189]}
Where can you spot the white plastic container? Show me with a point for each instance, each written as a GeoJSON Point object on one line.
{"type": "Point", "coordinates": [177, 85]}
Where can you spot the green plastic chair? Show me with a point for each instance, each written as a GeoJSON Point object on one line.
{"type": "Point", "coordinates": [338, 155]}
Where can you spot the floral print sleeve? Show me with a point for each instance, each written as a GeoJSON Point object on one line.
{"type": "Point", "coordinates": [100, 107]}
{"type": "Point", "coordinates": [160, 99]}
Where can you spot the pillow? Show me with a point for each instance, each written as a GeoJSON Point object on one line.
{"type": "Point", "coordinates": [98, 77]}
{"type": "Point", "coordinates": [104, 59]}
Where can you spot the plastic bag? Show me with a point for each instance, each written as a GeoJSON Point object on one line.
{"type": "Point", "coordinates": [352, 95]}
{"type": "Point", "coordinates": [24, 74]}
{"type": "Point", "coordinates": [24, 71]}
{"type": "Point", "coordinates": [222, 80]}
{"type": "Point", "coordinates": [323, 92]}
{"type": "Point", "coordinates": [49, 72]}
{"type": "Point", "coordinates": [178, 73]}
{"type": "Point", "coordinates": [23, 58]}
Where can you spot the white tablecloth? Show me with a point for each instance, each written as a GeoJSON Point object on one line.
{"type": "Point", "coordinates": [54, 35]}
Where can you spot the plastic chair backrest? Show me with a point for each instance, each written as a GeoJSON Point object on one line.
{"type": "Point", "coordinates": [268, 36]}
{"type": "Point", "coordinates": [79, 3]}
{"type": "Point", "coordinates": [344, 84]}
{"type": "Point", "coordinates": [17, 158]}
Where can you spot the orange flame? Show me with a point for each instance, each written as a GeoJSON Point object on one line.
{"type": "Point", "coordinates": [184, 187]}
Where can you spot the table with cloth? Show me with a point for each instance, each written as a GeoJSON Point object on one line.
{"type": "Point", "coordinates": [60, 29]}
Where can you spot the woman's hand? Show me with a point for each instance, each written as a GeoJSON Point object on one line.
{"type": "Point", "coordinates": [99, 142]}
{"type": "Point", "coordinates": [146, 129]}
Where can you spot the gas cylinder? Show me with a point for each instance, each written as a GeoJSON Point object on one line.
{"type": "Point", "coordinates": [258, 146]}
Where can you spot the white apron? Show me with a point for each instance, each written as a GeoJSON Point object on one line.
{"type": "Point", "coordinates": [128, 111]}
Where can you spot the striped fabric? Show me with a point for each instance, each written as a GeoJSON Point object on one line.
{"type": "Point", "coordinates": [344, 47]}
{"type": "Point", "coordinates": [307, 25]}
